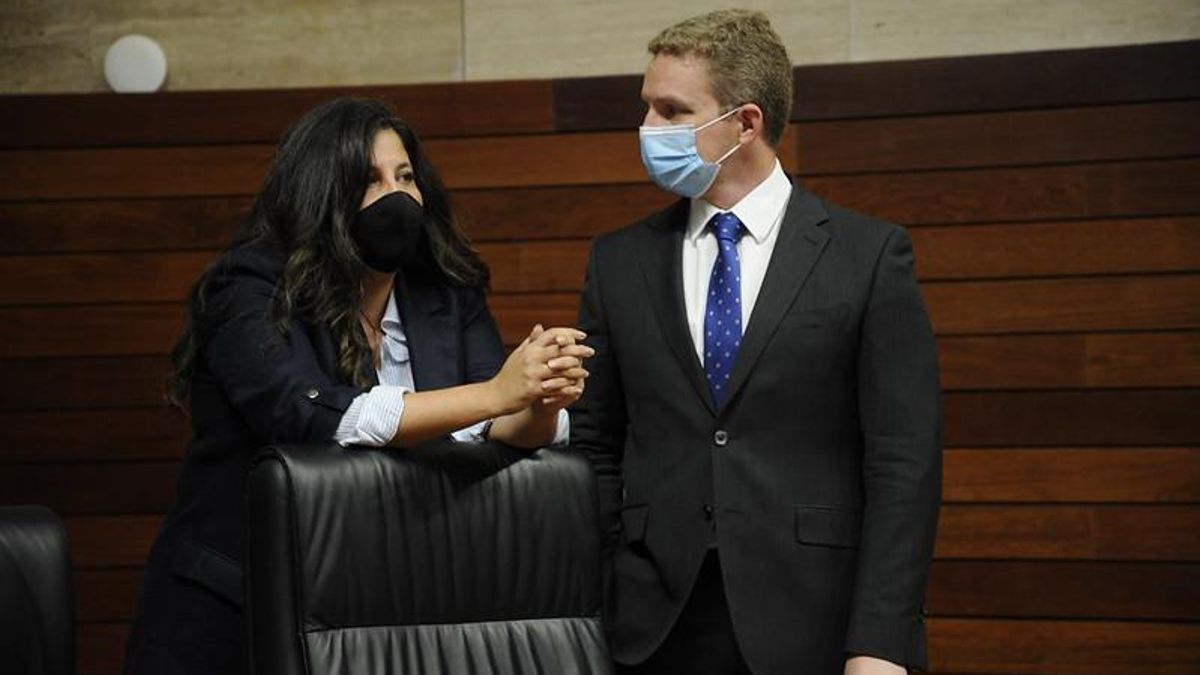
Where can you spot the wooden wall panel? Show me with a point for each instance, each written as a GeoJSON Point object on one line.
{"type": "Point", "coordinates": [1069, 532]}
{"type": "Point", "coordinates": [1063, 647]}
{"type": "Point", "coordinates": [1056, 228]}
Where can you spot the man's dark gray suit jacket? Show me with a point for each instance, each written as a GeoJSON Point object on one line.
{"type": "Point", "coordinates": [818, 479]}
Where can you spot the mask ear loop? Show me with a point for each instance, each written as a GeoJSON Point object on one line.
{"type": "Point", "coordinates": [711, 122]}
{"type": "Point", "coordinates": [736, 147]}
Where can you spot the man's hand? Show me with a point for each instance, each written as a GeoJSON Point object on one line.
{"type": "Point", "coordinates": [869, 665]}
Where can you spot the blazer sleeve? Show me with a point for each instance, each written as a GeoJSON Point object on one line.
{"type": "Point", "coordinates": [901, 425]}
{"type": "Point", "coordinates": [598, 419]}
{"type": "Point", "coordinates": [483, 349]}
{"type": "Point", "coordinates": [273, 380]}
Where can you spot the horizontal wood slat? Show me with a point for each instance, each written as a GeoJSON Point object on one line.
{"type": "Point", "coordinates": [1069, 532]}
{"type": "Point", "coordinates": [92, 488]}
{"type": "Point", "coordinates": [69, 383]}
{"type": "Point", "coordinates": [1072, 590]}
{"type": "Point", "coordinates": [1053, 249]}
{"type": "Point", "coordinates": [1071, 361]}
{"type": "Point", "coordinates": [120, 225]}
{"type": "Point", "coordinates": [1107, 190]}
{"type": "Point", "coordinates": [960, 646]}
{"type": "Point", "coordinates": [101, 488]}
{"type": "Point", "coordinates": [965, 531]}
{"type": "Point", "coordinates": [1063, 647]}
{"type": "Point", "coordinates": [261, 116]}
{"type": "Point", "coordinates": [1077, 361]}
{"type": "Point", "coordinates": [942, 253]}
{"type": "Point", "coordinates": [1064, 305]}
{"type": "Point", "coordinates": [996, 139]}
{"type": "Point", "coordinates": [1162, 417]}
{"type": "Point", "coordinates": [1154, 591]}
{"type": "Point", "coordinates": [921, 86]}
{"type": "Point", "coordinates": [1160, 187]}
{"type": "Point", "coordinates": [111, 541]}
{"type": "Point", "coordinates": [71, 436]}
{"type": "Point", "coordinates": [1050, 475]}
{"type": "Point", "coordinates": [968, 308]}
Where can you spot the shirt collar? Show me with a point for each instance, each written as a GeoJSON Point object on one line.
{"type": "Point", "coordinates": [759, 210]}
{"type": "Point", "coordinates": [391, 324]}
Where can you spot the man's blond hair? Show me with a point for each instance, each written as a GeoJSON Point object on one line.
{"type": "Point", "coordinates": [747, 61]}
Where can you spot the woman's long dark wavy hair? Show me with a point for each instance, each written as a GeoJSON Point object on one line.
{"type": "Point", "coordinates": [309, 198]}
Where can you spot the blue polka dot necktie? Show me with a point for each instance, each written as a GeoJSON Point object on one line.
{"type": "Point", "coordinates": [723, 313]}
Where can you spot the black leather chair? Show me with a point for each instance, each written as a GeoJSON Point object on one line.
{"type": "Point", "coordinates": [37, 635]}
{"type": "Point", "coordinates": [462, 559]}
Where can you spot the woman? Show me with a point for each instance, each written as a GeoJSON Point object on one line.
{"type": "Point", "coordinates": [352, 309]}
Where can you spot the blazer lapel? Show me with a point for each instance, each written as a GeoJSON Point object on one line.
{"type": "Point", "coordinates": [797, 250]}
{"type": "Point", "coordinates": [428, 321]}
{"type": "Point", "coordinates": [660, 259]}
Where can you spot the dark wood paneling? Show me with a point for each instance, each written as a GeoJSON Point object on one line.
{"type": "Point", "coordinates": [1155, 591]}
{"type": "Point", "coordinates": [1064, 305]}
{"type": "Point", "coordinates": [106, 595]}
{"type": "Point", "coordinates": [68, 383]}
{"type": "Point", "coordinates": [1063, 647]}
{"type": "Point", "coordinates": [1069, 532]}
{"type": "Point", "coordinates": [100, 278]}
{"type": "Point", "coordinates": [92, 488]}
{"type": "Point", "coordinates": [111, 541]}
{"type": "Point", "coordinates": [1077, 361]}
{"type": "Point", "coordinates": [995, 139]}
{"type": "Point", "coordinates": [100, 647]}
{"type": "Point", "coordinates": [105, 434]}
{"type": "Point", "coordinates": [1106, 190]}
{"type": "Point", "coordinates": [981, 252]}
{"type": "Point", "coordinates": [261, 116]}
{"type": "Point", "coordinates": [960, 646]}
{"type": "Point", "coordinates": [114, 330]}
{"type": "Point", "coordinates": [1046, 475]}
{"type": "Point", "coordinates": [996, 251]}
{"type": "Point", "coordinates": [1051, 249]}
{"type": "Point", "coordinates": [1159, 187]}
{"type": "Point", "coordinates": [997, 419]}
{"type": "Point", "coordinates": [120, 225]}
{"type": "Point", "coordinates": [177, 171]}
{"type": "Point", "coordinates": [1051, 79]}
{"type": "Point", "coordinates": [970, 308]}
{"type": "Point", "coordinates": [1162, 417]}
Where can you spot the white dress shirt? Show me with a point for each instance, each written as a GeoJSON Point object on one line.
{"type": "Point", "coordinates": [761, 211]}
{"type": "Point", "coordinates": [374, 416]}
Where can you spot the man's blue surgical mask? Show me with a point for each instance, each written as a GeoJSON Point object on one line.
{"type": "Point", "coordinates": [670, 157]}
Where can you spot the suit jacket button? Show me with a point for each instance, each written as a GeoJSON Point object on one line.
{"type": "Point", "coordinates": [708, 511]}
{"type": "Point", "coordinates": [720, 438]}
{"type": "Point", "coordinates": [312, 394]}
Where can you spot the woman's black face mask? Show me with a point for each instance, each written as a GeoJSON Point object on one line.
{"type": "Point", "coordinates": [390, 232]}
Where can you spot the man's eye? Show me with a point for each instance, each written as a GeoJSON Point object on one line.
{"type": "Point", "coordinates": [406, 177]}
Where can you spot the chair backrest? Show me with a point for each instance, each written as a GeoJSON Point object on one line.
{"type": "Point", "coordinates": [465, 559]}
{"type": "Point", "coordinates": [37, 635]}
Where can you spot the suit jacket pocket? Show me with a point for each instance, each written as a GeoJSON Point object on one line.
{"type": "Point", "coordinates": [200, 564]}
{"type": "Point", "coordinates": [837, 526]}
{"type": "Point", "coordinates": [816, 317]}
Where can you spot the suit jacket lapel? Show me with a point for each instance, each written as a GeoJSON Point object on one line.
{"type": "Point", "coordinates": [797, 250]}
{"type": "Point", "coordinates": [660, 256]}
{"type": "Point", "coordinates": [425, 313]}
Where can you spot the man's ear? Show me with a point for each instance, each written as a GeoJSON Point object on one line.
{"type": "Point", "coordinates": [751, 118]}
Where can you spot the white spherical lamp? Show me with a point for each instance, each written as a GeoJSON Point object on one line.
{"type": "Point", "coordinates": [135, 63]}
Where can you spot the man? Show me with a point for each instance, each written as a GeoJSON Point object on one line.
{"type": "Point", "coordinates": [763, 406]}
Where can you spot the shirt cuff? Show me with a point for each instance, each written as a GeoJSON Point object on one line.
{"type": "Point", "coordinates": [373, 417]}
